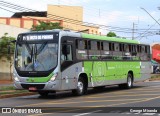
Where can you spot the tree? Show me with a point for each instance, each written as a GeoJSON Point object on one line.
{"type": "Point", "coordinates": [46, 26]}
{"type": "Point", "coordinates": [5, 41]}
{"type": "Point", "coordinates": [111, 34]}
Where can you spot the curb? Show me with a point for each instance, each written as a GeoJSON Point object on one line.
{"type": "Point", "coordinates": [16, 95]}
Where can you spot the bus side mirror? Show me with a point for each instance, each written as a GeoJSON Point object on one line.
{"type": "Point", "coordinates": [65, 49]}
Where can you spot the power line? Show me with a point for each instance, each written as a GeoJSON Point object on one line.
{"type": "Point", "coordinates": [151, 16]}
{"type": "Point", "coordinates": [87, 23]}
{"type": "Point", "coordinates": [7, 10]}
{"type": "Point", "coordinates": [146, 31]}
{"type": "Point", "coordinates": [72, 21]}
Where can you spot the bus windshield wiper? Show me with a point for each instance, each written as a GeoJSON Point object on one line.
{"type": "Point", "coordinates": [41, 48]}
{"type": "Point", "coordinates": [32, 54]}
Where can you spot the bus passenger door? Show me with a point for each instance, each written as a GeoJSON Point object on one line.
{"type": "Point", "coordinates": [66, 68]}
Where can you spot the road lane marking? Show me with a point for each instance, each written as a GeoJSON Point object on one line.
{"type": "Point", "coordinates": [124, 95]}
{"type": "Point", "coordinates": [137, 92]}
{"type": "Point", "coordinates": [148, 99]}
{"type": "Point", "coordinates": [47, 102]}
{"type": "Point", "coordinates": [87, 113]}
{"type": "Point", "coordinates": [84, 97]}
{"type": "Point", "coordinates": [134, 90]}
{"type": "Point", "coordinates": [115, 104]}
{"type": "Point", "coordinates": [123, 92]}
{"type": "Point", "coordinates": [94, 101]}
{"type": "Point", "coordinates": [146, 88]}
{"type": "Point", "coordinates": [75, 99]}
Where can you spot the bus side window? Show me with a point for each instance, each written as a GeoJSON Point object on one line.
{"type": "Point", "coordinates": [148, 53]}
{"type": "Point", "coordinates": [94, 49]}
{"type": "Point", "coordinates": [117, 53]}
{"type": "Point", "coordinates": [134, 52]}
{"type": "Point", "coordinates": [127, 52]}
{"type": "Point", "coordinates": [116, 47]}
{"type": "Point", "coordinates": [66, 53]}
{"type": "Point", "coordinates": [126, 47]}
{"type": "Point", "coordinates": [81, 49]}
{"type": "Point", "coordinates": [105, 53]}
{"type": "Point", "coordinates": [106, 46]}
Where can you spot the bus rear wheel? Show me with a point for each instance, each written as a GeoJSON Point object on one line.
{"type": "Point", "coordinates": [81, 87]}
{"type": "Point", "coordinates": [129, 83]}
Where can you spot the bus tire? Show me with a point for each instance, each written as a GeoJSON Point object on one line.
{"type": "Point", "coordinates": [43, 93]}
{"type": "Point", "coordinates": [81, 87]}
{"type": "Point", "coordinates": [129, 83]}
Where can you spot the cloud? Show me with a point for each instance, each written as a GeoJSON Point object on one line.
{"type": "Point", "coordinates": [106, 18]}
{"type": "Point", "coordinates": [133, 18]}
{"type": "Point", "coordinates": [73, 2]}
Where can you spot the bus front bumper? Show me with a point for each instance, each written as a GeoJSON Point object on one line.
{"type": "Point", "coordinates": [49, 86]}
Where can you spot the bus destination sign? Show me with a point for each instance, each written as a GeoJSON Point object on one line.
{"type": "Point", "coordinates": [37, 37]}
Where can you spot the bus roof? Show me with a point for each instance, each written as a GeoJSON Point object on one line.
{"type": "Point", "coordinates": [114, 39]}
{"type": "Point", "coordinates": [89, 36]}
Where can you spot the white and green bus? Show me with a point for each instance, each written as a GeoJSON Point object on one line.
{"type": "Point", "coordinates": [58, 60]}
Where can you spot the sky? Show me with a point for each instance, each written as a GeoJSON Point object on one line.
{"type": "Point", "coordinates": [117, 15]}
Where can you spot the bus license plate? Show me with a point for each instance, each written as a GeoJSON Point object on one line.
{"type": "Point", "coordinates": [32, 88]}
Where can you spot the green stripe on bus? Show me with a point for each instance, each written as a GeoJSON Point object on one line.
{"type": "Point", "coordinates": [114, 39]}
{"type": "Point", "coordinates": [39, 79]}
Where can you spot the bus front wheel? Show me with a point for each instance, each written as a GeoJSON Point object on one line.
{"type": "Point", "coordinates": [81, 87]}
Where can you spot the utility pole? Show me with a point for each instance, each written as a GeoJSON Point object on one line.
{"type": "Point", "coordinates": [133, 32]}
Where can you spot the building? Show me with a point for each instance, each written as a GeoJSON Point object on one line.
{"type": "Point", "coordinates": [69, 17]}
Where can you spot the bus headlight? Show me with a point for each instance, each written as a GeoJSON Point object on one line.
{"type": "Point", "coordinates": [15, 76]}
{"type": "Point", "coordinates": [54, 77]}
{"type": "Point", "coordinates": [16, 79]}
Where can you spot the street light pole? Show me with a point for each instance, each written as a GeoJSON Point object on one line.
{"type": "Point", "coordinates": [150, 15]}
{"type": "Point", "coordinates": [133, 32]}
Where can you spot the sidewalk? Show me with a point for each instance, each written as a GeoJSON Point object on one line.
{"type": "Point", "coordinates": [6, 83]}
{"type": "Point", "coordinates": [7, 90]}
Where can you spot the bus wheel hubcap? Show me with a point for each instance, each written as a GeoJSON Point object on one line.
{"type": "Point", "coordinates": [129, 81]}
{"type": "Point", "coordinates": [80, 86]}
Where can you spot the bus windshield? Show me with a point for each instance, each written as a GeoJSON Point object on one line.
{"type": "Point", "coordinates": [36, 56]}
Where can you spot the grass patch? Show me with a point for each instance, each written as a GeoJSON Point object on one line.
{"type": "Point", "coordinates": [10, 90]}
{"type": "Point", "coordinates": [5, 88]}
{"type": "Point", "coordinates": [155, 77]}
{"type": "Point", "coordinates": [14, 92]}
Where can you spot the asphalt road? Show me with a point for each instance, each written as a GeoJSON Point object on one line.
{"type": "Point", "coordinates": [145, 96]}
